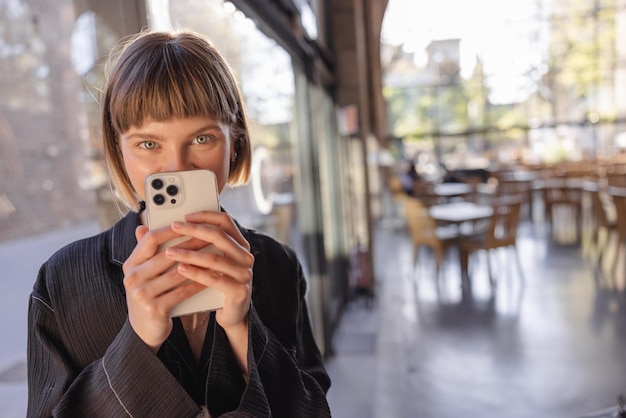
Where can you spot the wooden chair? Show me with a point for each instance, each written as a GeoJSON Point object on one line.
{"type": "Point", "coordinates": [616, 179]}
{"type": "Point", "coordinates": [564, 196]}
{"type": "Point", "coordinates": [397, 195]}
{"type": "Point", "coordinates": [518, 189]}
{"type": "Point", "coordinates": [424, 232]}
{"type": "Point", "coordinates": [395, 188]}
{"type": "Point", "coordinates": [501, 232]}
{"type": "Point", "coordinates": [512, 187]}
{"type": "Point", "coordinates": [425, 192]}
{"type": "Point", "coordinates": [598, 220]}
{"type": "Point", "coordinates": [618, 195]}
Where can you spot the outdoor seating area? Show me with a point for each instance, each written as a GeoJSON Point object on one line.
{"type": "Point", "coordinates": [579, 204]}
{"type": "Point", "coordinates": [548, 344]}
{"type": "Point", "coordinates": [541, 331]}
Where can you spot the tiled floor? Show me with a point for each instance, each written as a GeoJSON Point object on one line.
{"type": "Point", "coordinates": [549, 344]}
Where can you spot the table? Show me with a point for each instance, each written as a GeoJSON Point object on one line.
{"type": "Point", "coordinates": [519, 175]}
{"type": "Point", "coordinates": [452, 189]}
{"type": "Point", "coordinates": [459, 212]}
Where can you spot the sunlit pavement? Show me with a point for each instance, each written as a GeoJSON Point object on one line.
{"type": "Point", "coordinates": [20, 261]}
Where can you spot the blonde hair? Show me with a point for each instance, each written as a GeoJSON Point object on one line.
{"type": "Point", "coordinates": [163, 75]}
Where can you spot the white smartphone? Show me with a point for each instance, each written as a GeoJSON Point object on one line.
{"type": "Point", "coordinates": [169, 197]}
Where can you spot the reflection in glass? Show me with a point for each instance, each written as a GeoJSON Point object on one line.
{"type": "Point", "coordinates": [266, 77]}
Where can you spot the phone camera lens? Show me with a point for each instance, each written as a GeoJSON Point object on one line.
{"type": "Point", "coordinates": [159, 199]}
{"type": "Point", "coordinates": [172, 190]}
{"type": "Point", "coordinates": [157, 184]}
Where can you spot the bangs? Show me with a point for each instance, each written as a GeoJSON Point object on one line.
{"type": "Point", "coordinates": [171, 81]}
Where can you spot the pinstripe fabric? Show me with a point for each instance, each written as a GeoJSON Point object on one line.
{"type": "Point", "coordinates": [84, 358]}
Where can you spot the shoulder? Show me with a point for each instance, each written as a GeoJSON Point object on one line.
{"type": "Point", "coordinates": [64, 275]}
{"type": "Point", "coordinates": [77, 254]}
{"type": "Point", "coordinates": [278, 285]}
{"type": "Point", "coordinates": [268, 250]}
{"type": "Point", "coordinates": [85, 260]}
{"type": "Point", "coordinates": [276, 265]}
{"type": "Point", "coordinates": [111, 245]}
{"type": "Point", "coordinates": [266, 246]}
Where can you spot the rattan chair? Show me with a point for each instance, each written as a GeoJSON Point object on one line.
{"type": "Point", "coordinates": [618, 195]}
{"type": "Point", "coordinates": [598, 221]}
{"type": "Point", "coordinates": [424, 232]}
{"type": "Point", "coordinates": [501, 232]}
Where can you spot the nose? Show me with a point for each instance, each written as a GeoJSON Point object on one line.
{"type": "Point", "coordinates": [177, 160]}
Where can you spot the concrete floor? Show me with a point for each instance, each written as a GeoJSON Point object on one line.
{"type": "Point", "coordinates": [548, 343]}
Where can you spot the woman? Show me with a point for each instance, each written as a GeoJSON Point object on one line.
{"type": "Point", "coordinates": [101, 342]}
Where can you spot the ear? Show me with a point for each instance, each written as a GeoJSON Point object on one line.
{"type": "Point", "coordinates": [233, 150]}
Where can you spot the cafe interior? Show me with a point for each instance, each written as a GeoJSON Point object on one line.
{"type": "Point", "coordinates": [505, 286]}
{"type": "Point", "coordinates": [516, 277]}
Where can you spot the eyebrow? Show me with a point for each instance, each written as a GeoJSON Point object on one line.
{"type": "Point", "coordinates": [145, 135]}
{"type": "Point", "coordinates": [210, 127]}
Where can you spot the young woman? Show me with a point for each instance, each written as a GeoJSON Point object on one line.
{"type": "Point", "coordinates": [101, 341]}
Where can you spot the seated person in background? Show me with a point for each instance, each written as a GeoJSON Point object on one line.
{"type": "Point", "coordinates": [449, 176]}
{"type": "Point", "coordinates": [410, 177]}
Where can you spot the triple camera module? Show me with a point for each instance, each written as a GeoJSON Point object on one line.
{"type": "Point", "coordinates": [171, 190]}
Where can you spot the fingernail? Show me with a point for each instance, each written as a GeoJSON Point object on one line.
{"type": "Point", "coordinates": [177, 224]}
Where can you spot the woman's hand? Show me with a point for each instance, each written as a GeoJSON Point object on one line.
{"type": "Point", "coordinates": [229, 269]}
{"type": "Point", "coordinates": [153, 287]}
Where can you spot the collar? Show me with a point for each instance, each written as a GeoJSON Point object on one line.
{"type": "Point", "coordinates": [122, 238]}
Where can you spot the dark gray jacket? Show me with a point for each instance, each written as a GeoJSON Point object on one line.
{"type": "Point", "coordinates": [84, 359]}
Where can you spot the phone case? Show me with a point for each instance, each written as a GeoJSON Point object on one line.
{"type": "Point", "coordinates": [169, 197]}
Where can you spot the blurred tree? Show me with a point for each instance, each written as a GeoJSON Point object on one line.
{"type": "Point", "coordinates": [581, 57]}
{"type": "Point", "coordinates": [572, 83]}
{"type": "Point", "coordinates": [23, 85]}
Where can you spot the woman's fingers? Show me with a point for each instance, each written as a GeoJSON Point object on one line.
{"type": "Point", "coordinates": [221, 221]}
{"type": "Point", "coordinates": [149, 274]}
{"type": "Point", "coordinates": [234, 290]}
{"type": "Point", "coordinates": [213, 260]}
{"type": "Point", "coordinates": [157, 286]}
{"type": "Point", "coordinates": [140, 232]}
{"type": "Point", "coordinates": [149, 255]}
{"type": "Point", "coordinates": [160, 301]}
{"type": "Point", "coordinates": [225, 243]}
{"type": "Point", "coordinates": [148, 244]}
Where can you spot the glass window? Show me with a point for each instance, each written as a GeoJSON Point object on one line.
{"type": "Point", "coordinates": [266, 77]}
{"type": "Point", "coordinates": [545, 89]}
{"type": "Point", "coordinates": [43, 131]}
